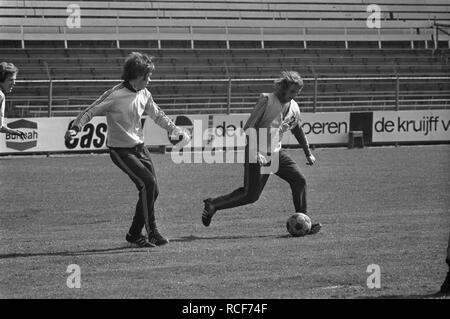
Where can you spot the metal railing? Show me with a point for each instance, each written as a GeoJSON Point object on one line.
{"type": "Point", "coordinates": [238, 95]}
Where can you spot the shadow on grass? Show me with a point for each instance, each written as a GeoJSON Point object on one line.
{"type": "Point", "coordinates": [116, 250]}
{"type": "Point", "coordinates": [126, 249]}
{"type": "Point", "coordinates": [194, 238]}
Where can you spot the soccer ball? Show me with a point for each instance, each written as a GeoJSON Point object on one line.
{"type": "Point", "coordinates": [298, 224]}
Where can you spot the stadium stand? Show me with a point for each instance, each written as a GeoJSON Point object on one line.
{"type": "Point", "coordinates": [210, 42]}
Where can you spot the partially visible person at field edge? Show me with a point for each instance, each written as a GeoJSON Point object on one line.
{"type": "Point", "coordinates": [8, 75]}
{"type": "Point", "coordinates": [445, 288]}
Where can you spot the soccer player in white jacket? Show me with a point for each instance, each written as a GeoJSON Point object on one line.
{"type": "Point", "coordinates": [124, 105]}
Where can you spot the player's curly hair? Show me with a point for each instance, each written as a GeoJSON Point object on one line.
{"type": "Point", "coordinates": [7, 69]}
{"type": "Point", "coordinates": [286, 79]}
{"type": "Point", "coordinates": [136, 66]}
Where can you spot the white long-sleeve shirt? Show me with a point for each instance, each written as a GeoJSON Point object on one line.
{"type": "Point", "coordinates": [2, 109]}
{"type": "Point", "coordinates": [124, 108]}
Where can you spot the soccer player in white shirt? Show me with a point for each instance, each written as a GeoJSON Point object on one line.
{"type": "Point", "coordinates": [274, 113]}
{"type": "Point", "coordinates": [8, 75]}
{"type": "Point", "coordinates": [124, 105]}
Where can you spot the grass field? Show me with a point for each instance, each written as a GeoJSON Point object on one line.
{"type": "Point", "coordinates": [384, 206]}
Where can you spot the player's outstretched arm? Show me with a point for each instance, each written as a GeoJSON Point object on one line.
{"type": "Point", "coordinates": [257, 113]}
{"type": "Point", "coordinates": [253, 123]}
{"type": "Point", "coordinates": [161, 119]}
{"type": "Point", "coordinates": [19, 133]}
{"type": "Point", "coordinates": [302, 140]}
{"type": "Point", "coordinates": [5, 129]}
{"type": "Point", "coordinates": [99, 107]}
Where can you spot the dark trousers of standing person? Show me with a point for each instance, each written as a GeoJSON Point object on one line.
{"type": "Point", "coordinates": [254, 182]}
{"type": "Point", "coordinates": [137, 164]}
{"type": "Point", "coordinates": [448, 252]}
{"type": "Point", "coordinates": [445, 288]}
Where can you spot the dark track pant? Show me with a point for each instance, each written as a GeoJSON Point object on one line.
{"type": "Point", "coordinates": [254, 183]}
{"type": "Point", "coordinates": [136, 163]}
{"type": "Point", "coordinates": [448, 252]}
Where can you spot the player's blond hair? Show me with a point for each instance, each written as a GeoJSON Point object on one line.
{"type": "Point", "coordinates": [286, 79]}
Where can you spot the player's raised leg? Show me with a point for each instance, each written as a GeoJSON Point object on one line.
{"type": "Point", "coordinates": [254, 183]}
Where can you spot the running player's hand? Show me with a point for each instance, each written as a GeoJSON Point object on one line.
{"type": "Point", "coordinates": [284, 127]}
{"type": "Point", "coordinates": [261, 160]}
{"type": "Point", "coordinates": [182, 133]}
{"type": "Point", "coordinates": [70, 134]}
{"type": "Point", "coordinates": [311, 159]}
{"type": "Point", "coordinates": [287, 124]}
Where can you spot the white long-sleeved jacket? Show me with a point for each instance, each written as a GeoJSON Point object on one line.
{"type": "Point", "coordinates": [124, 108]}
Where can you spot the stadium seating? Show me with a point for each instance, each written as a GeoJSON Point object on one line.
{"type": "Point", "coordinates": [220, 20]}
{"type": "Point", "coordinates": [201, 65]}
{"type": "Point", "coordinates": [208, 43]}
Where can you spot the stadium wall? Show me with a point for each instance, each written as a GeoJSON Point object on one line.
{"type": "Point", "coordinates": [46, 135]}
